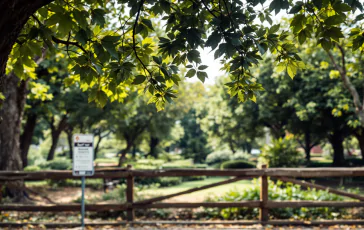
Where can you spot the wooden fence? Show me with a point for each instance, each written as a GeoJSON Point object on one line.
{"type": "Point", "coordinates": [283, 174]}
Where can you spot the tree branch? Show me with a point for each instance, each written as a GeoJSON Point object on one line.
{"type": "Point", "coordinates": [345, 79]}
{"type": "Point", "coordinates": [134, 43]}
{"type": "Point", "coordinates": [59, 41]}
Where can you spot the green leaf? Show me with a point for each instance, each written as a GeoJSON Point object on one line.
{"type": "Point", "coordinates": [326, 44]}
{"type": "Point", "coordinates": [202, 76]}
{"type": "Point", "coordinates": [291, 70]}
{"type": "Point", "coordinates": [302, 37]}
{"type": "Point", "coordinates": [101, 98]}
{"type": "Point", "coordinates": [274, 29]}
{"type": "Point", "coordinates": [213, 40]}
{"type": "Point", "coordinates": [194, 56]}
{"type": "Point", "coordinates": [202, 67]}
{"type": "Point", "coordinates": [295, 9]}
{"type": "Point", "coordinates": [139, 79]}
{"type": "Point", "coordinates": [157, 60]}
{"type": "Point", "coordinates": [191, 73]}
{"type": "Point", "coordinates": [334, 20]}
{"type": "Point", "coordinates": [97, 17]}
{"type": "Point", "coordinates": [148, 23]}
{"type": "Point", "coordinates": [81, 36]}
{"type": "Point", "coordinates": [81, 18]}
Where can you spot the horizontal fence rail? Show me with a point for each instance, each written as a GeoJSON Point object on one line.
{"type": "Point", "coordinates": [124, 173]}
{"type": "Point", "coordinates": [263, 204]}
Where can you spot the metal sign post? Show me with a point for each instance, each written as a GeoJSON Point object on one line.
{"type": "Point", "coordinates": [83, 163]}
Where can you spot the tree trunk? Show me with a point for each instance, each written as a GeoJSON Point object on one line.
{"type": "Point", "coordinates": [14, 15]}
{"type": "Point", "coordinates": [70, 143]}
{"type": "Point", "coordinates": [154, 141]}
{"type": "Point", "coordinates": [10, 126]}
{"type": "Point", "coordinates": [98, 145]}
{"type": "Point", "coordinates": [231, 146]}
{"type": "Point", "coordinates": [123, 153]}
{"type": "Point", "coordinates": [336, 140]}
{"type": "Point", "coordinates": [133, 152]}
{"type": "Point", "coordinates": [308, 146]}
{"type": "Point", "coordinates": [360, 138]}
{"type": "Point", "coordinates": [26, 137]}
{"type": "Point", "coordinates": [56, 133]}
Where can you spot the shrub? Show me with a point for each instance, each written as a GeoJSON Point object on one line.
{"type": "Point", "coordinates": [218, 157]}
{"type": "Point", "coordinates": [282, 153]}
{"type": "Point", "coordinates": [277, 192]}
{"type": "Point", "coordinates": [59, 164]}
{"type": "Point", "coordinates": [170, 181]}
{"type": "Point", "coordinates": [240, 156]}
{"type": "Point", "coordinates": [238, 164]}
{"type": "Point", "coordinates": [32, 168]}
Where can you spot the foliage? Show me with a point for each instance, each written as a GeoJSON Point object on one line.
{"type": "Point", "coordinates": [277, 191]}
{"type": "Point", "coordinates": [170, 181]}
{"type": "Point", "coordinates": [237, 164]}
{"type": "Point", "coordinates": [32, 168]}
{"type": "Point", "coordinates": [282, 153]}
{"type": "Point", "coordinates": [59, 164]}
{"type": "Point", "coordinates": [218, 156]}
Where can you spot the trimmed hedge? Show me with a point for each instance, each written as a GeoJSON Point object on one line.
{"type": "Point", "coordinates": [238, 164]}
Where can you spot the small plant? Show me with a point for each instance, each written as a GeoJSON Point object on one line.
{"type": "Point", "coordinates": [282, 153]}
{"type": "Point", "coordinates": [277, 191]}
{"type": "Point", "coordinates": [32, 168]}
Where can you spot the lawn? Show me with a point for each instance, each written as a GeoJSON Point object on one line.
{"type": "Point", "coordinates": [199, 195]}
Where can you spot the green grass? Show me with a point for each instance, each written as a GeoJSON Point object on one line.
{"type": "Point", "coordinates": [203, 193]}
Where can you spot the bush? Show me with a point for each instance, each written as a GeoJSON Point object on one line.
{"type": "Point", "coordinates": [240, 156]}
{"type": "Point", "coordinates": [169, 181]}
{"type": "Point", "coordinates": [282, 153]}
{"type": "Point", "coordinates": [218, 157]}
{"type": "Point", "coordinates": [32, 168]}
{"type": "Point", "coordinates": [238, 164]}
{"type": "Point", "coordinates": [277, 191]}
{"type": "Point", "coordinates": [58, 164]}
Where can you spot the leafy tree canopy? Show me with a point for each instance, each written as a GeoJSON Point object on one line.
{"type": "Point", "coordinates": [114, 44]}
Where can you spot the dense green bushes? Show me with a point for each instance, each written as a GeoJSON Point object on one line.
{"type": "Point", "coordinates": [237, 164]}
{"type": "Point", "coordinates": [277, 191]}
{"type": "Point", "coordinates": [282, 153]}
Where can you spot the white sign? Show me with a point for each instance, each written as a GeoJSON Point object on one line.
{"type": "Point", "coordinates": [83, 155]}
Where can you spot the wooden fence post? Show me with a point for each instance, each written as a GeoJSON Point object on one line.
{"type": "Point", "coordinates": [130, 195]}
{"type": "Point", "coordinates": [263, 214]}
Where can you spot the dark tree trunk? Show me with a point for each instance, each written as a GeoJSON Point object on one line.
{"type": "Point", "coordinates": [336, 140]}
{"type": "Point", "coordinates": [308, 146]}
{"type": "Point", "coordinates": [133, 152]}
{"type": "Point", "coordinates": [14, 15]}
{"type": "Point", "coordinates": [27, 135]}
{"type": "Point", "coordinates": [231, 146]}
{"type": "Point", "coordinates": [69, 132]}
{"type": "Point", "coordinates": [56, 133]}
{"type": "Point", "coordinates": [98, 145]}
{"type": "Point", "coordinates": [123, 153]}
{"type": "Point", "coordinates": [154, 141]}
{"type": "Point", "coordinates": [11, 114]}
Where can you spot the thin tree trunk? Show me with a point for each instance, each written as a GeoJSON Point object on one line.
{"type": "Point", "coordinates": [69, 132]}
{"type": "Point", "coordinates": [154, 141]}
{"type": "Point", "coordinates": [10, 127]}
{"type": "Point", "coordinates": [27, 135]}
{"type": "Point", "coordinates": [98, 145]}
{"type": "Point", "coordinates": [56, 133]}
{"type": "Point", "coordinates": [133, 152]}
{"type": "Point", "coordinates": [231, 145]}
{"type": "Point", "coordinates": [308, 146]}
